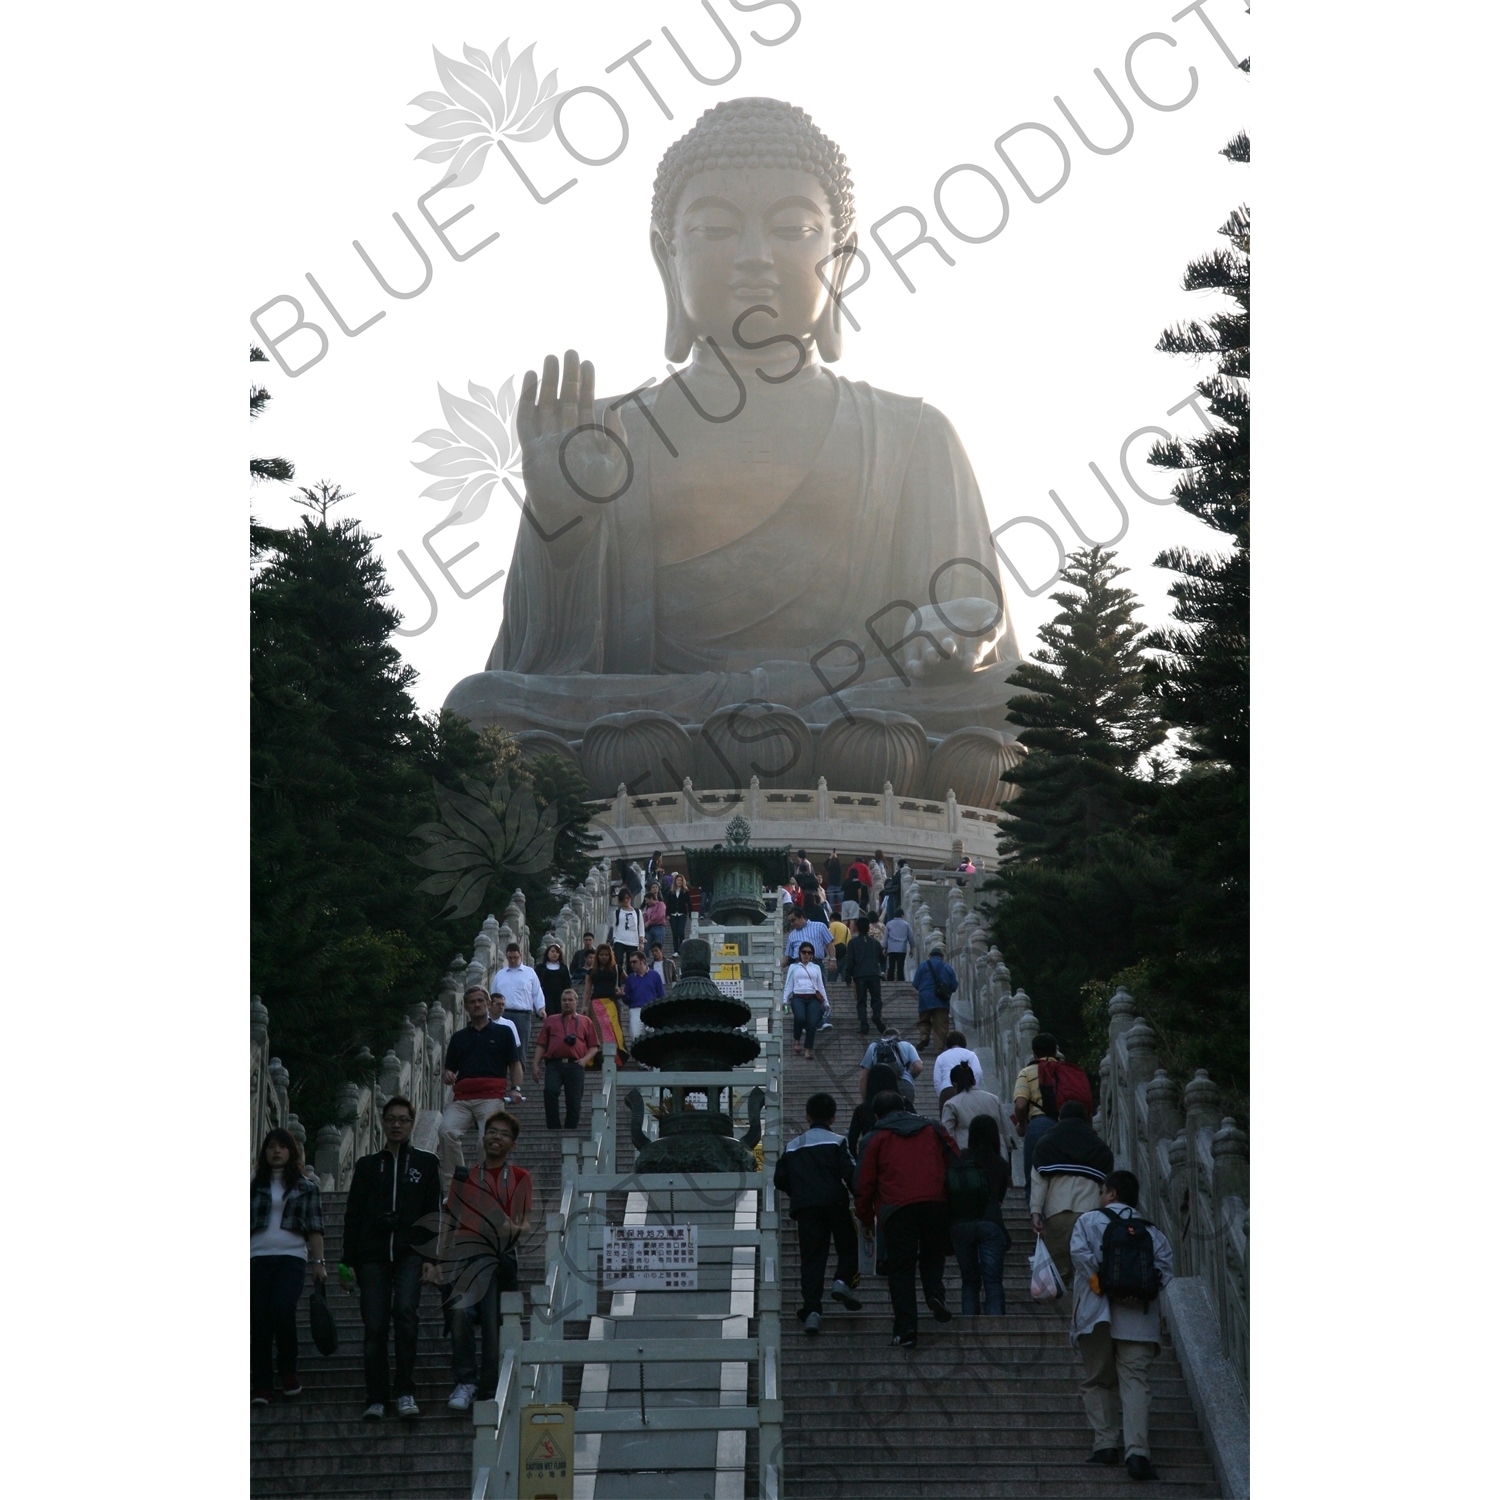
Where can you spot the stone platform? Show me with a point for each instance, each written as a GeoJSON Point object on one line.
{"type": "Point", "coordinates": [917, 829]}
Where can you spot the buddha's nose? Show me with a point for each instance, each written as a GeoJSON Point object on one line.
{"type": "Point", "coordinates": [754, 248]}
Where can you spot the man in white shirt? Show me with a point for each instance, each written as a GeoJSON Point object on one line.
{"type": "Point", "coordinates": [523, 995]}
{"type": "Point", "coordinates": [957, 1051]}
{"type": "Point", "coordinates": [627, 933]}
{"type": "Point", "coordinates": [498, 1016]}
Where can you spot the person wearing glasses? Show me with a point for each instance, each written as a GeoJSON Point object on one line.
{"type": "Point", "coordinates": [566, 1044]}
{"type": "Point", "coordinates": [805, 992]}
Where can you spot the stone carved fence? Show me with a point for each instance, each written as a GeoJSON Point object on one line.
{"type": "Point", "coordinates": [413, 1066]}
{"type": "Point", "coordinates": [1194, 1164]}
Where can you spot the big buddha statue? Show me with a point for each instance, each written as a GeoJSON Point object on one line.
{"type": "Point", "coordinates": [750, 536]}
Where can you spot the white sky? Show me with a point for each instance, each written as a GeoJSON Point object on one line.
{"type": "Point", "coordinates": [1038, 345]}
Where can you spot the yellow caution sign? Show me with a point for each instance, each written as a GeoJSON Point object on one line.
{"type": "Point", "coordinates": [547, 1452]}
{"type": "Point", "coordinates": [728, 968]}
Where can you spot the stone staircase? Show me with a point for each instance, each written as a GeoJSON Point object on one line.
{"type": "Point", "coordinates": [983, 1406]}
{"type": "Point", "coordinates": [316, 1444]}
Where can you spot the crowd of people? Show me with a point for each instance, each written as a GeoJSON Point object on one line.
{"type": "Point", "coordinates": [899, 1191]}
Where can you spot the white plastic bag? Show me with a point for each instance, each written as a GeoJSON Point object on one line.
{"type": "Point", "coordinates": [1046, 1283]}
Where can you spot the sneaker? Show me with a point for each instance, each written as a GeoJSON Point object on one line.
{"type": "Point", "coordinates": [813, 1324]}
{"type": "Point", "coordinates": [904, 1341]}
{"type": "Point", "coordinates": [406, 1406]}
{"type": "Point", "coordinates": [802, 1314]}
{"type": "Point", "coordinates": [295, 1389]}
{"type": "Point", "coordinates": [260, 1398]}
{"type": "Point", "coordinates": [826, 1026]}
{"type": "Point", "coordinates": [841, 1293]}
{"type": "Point", "coordinates": [374, 1411]}
{"type": "Point", "coordinates": [462, 1398]}
{"type": "Point", "coordinates": [940, 1310]}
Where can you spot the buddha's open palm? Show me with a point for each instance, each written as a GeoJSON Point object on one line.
{"type": "Point", "coordinates": [965, 652]}
{"type": "Point", "coordinates": [546, 414]}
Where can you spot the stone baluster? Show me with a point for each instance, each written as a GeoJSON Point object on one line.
{"type": "Point", "coordinates": [689, 802]}
{"type": "Point", "coordinates": [476, 975]}
{"type": "Point", "coordinates": [1121, 1012]}
{"type": "Point", "coordinates": [1177, 1222]}
{"type": "Point", "coordinates": [1141, 1063]}
{"type": "Point", "coordinates": [490, 927]}
{"type": "Point", "coordinates": [622, 807]}
{"type": "Point", "coordinates": [515, 918]}
{"type": "Point", "coordinates": [888, 809]}
{"type": "Point", "coordinates": [822, 799]}
{"type": "Point", "coordinates": [1163, 1123]}
{"type": "Point", "coordinates": [281, 1083]}
{"type": "Point", "coordinates": [1027, 1027]}
{"type": "Point", "coordinates": [754, 811]}
{"type": "Point", "coordinates": [1231, 1150]}
{"type": "Point", "coordinates": [330, 1144]}
{"type": "Point", "coordinates": [298, 1132]}
{"type": "Point", "coordinates": [958, 847]}
{"type": "Point", "coordinates": [390, 1077]}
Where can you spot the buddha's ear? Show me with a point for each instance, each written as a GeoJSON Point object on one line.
{"type": "Point", "coordinates": [830, 328]}
{"type": "Point", "coordinates": [679, 341]}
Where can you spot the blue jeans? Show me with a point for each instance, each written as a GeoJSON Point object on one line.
{"type": "Point", "coordinates": [656, 933]}
{"type": "Point", "coordinates": [979, 1248]}
{"type": "Point", "coordinates": [807, 1016]}
{"type": "Point", "coordinates": [1036, 1127]}
{"type": "Point", "coordinates": [386, 1289]}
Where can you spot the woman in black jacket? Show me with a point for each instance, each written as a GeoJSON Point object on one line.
{"type": "Point", "coordinates": [679, 908]}
{"type": "Point", "coordinates": [553, 976]}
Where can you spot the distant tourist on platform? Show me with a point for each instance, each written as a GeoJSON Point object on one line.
{"type": "Point", "coordinates": [955, 1050]}
{"type": "Point", "coordinates": [525, 1000]}
{"type": "Point", "coordinates": [806, 993]}
{"type": "Point", "coordinates": [482, 1061]}
{"type": "Point", "coordinates": [601, 997]}
{"type": "Point", "coordinates": [627, 932]}
{"type": "Point", "coordinates": [654, 871]}
{"type": "Point", "coordinates": [661, 964]}
{"type": "Point", "coordinates": [935, 983]}
{"type": "Point", "coordinates": [900, 1057]}
{"type": "Point", "coordinates": [565, 1044]}
{"type": "Point", "coordinates": [833, 877]}
{"type": "Point", "coordinates": [864, 966]}
{"type": "Point", "coordinates": [1117, 1322]}
{"type": "Point", "coordinates": [286, 1242]}
{"type": "Point", "coordinates": [630, 877]}
{"type": "Point", "coordinates": [642, 986]}
{"type": "Point", "coordinates": [1070, 1164]}
{"type": "Point", "coordinates": [391, 1226]}
{"type": "Point", "coordinates": [654, 916]}
{"type": "Point", "coordinates": [898, 938]}
{"type": "Point", "coordinates": [679, 903]}
{"type": "Point", "coordinates": [553, 976]}
{"type": "Point", "coordinates": [816, 1172]}
{"type": "Point", "coordinates": [578, 966]}
{"type": "Point", "coordinates": [976, 1194]}
{"type": "Point", "coordinates": [857, 883]}
{"type": "Point", "coordinates": [903, 1171]}
{"type": "Point", "coordinates": [487, 1212]}
{"type": "Point", "coordinates": [965, 1103]}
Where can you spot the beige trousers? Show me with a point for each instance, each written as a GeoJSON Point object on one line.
{"type": "Point", "coordinates": [458, 1118]}
{"type": "Point", "coordinates": [1056, 1235]}
{"type": "Point", "coordinates": [1115, 1384]}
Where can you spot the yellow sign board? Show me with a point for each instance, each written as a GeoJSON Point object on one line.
{"type": "Point", "coordinates": [727, 968]}
{"type": "Point", "coordinates": [547, 1452]}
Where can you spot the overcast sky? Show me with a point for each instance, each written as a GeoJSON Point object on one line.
{"type": "Point", "coordinates": [1038, 344]}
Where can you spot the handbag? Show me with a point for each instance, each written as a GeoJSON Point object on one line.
{"type": "Point", "coordinates": [325, 1333]}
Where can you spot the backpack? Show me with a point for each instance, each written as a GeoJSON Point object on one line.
{"type": "Point", "coordinates": [968, 1189]}
{"type": "Point", "coordinates": [1127, 1261]}
{"type": "Point", "coordinates": [888, 1055]}
{"type": "Point", "coordinates": [940, 991]}
{"type": "Point", "coordinates": [1061, 1083]}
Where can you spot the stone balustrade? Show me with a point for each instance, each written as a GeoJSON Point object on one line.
{"type": "Point", "coordinates": [1193, 1163]}
{"type": "Point", "coordinates": [413, 1065]}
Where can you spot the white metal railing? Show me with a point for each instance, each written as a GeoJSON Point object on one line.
{"type": "Point", "coordinates": [575, 1234]}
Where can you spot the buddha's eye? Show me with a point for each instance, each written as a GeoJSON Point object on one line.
{"type": "Point", "coordinates": [794, 231]}
{"type": "Point", "coordinates": [713, 231]}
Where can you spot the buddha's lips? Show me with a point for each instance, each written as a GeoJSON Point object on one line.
{"type": "Point", "coordinates": [749, 292]}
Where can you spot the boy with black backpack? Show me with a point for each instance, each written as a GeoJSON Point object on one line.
{"type": "Point", "coordinates": [1121, 1262]}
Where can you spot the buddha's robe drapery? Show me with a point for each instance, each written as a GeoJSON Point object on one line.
{"type": "Point", "coordinates": [888, 501]}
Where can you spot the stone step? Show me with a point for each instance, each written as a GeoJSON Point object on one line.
{"type": "Point", "coordinates": [1066, 1482]}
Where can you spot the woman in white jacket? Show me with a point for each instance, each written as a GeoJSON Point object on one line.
{"type": "Point", "coordinates": [806, 994]}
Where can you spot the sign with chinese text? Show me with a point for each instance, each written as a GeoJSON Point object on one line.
{"type": "Point", "coordinates": [651, 1257]}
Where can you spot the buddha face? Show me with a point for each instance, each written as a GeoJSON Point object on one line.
{"type": "Point", "coordinates": [742, 238]}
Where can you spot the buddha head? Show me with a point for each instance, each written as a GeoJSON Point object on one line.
{"type": "Point", "coordinates": [753, 207]}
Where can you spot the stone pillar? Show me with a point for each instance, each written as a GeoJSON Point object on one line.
{"type": "Point", "coordinates": [1026, 1029]}
{"type": "Point", "coordinates": [689, 802]}
{"type": "Point", "coordinates": [754, 811]}
{"type": "Point", "coordinates": [1121, 1012]}
{"type": "Point", "coordinates": [822, 799]}
{"type": "Point", "coordinates": [326, 1164]}
{"type": "Point", "coordinates": [390, 1077]}
{"type": "Point", "coordinates": [622, 806]}
{"type": "Point", "coordinates": [1231, 1148]}
{"type": "Point", "coordinates": [1140, 1046]}
{"type": "Point", "coordinates": [281, 1082]}
{"type": "Point", "coordinates": [888, 812]}
{"type": "Point", "coordinates": [958, 843]}
{"type": "Point", "coordinates": [1161, 1107]}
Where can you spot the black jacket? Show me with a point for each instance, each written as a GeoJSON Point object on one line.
{"type": "Point", "coordinates": [411, 1190]}
{"type": "Point", "coordinates": [866, 961]}
{"type": "Point", "coordinates": [816, 1171]}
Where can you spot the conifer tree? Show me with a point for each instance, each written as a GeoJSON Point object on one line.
{"type": "Point", "coordinates": [1085, 718]}
{"type": "Point", "coordinates": [265, 468]}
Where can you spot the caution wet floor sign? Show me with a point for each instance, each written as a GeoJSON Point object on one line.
{"type": "Point", "coordinates": [547, 1452]}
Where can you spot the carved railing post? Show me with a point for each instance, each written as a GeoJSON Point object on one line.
{"type": "Point", "coordinates": [754, 811]}
{"type": "Point", "coordinates": [330, 1151]}
{"type": "Point", "coordinates": [822, 799]}
{"type": "Point", "coordinates": [390, 1077]}
{"type": "Point", "coordinates": [1121, 1012]}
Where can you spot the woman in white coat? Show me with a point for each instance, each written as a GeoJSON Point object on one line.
{"type": "Point", "coordinates": [806, 994]}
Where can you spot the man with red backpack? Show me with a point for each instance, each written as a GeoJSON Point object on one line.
{"type": "Point", "coordinates": [903, 1170]}
{"type": "Point", "coordinates": [1043, 1086]}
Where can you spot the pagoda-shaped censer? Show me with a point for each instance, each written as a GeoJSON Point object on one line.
{"type": "Point", "coordinates": [695, 1027]}
{"type": "Point", "coordinates": [735, 875]}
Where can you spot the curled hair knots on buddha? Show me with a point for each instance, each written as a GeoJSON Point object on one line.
{"type": "Point", "coordinates": [744, 134]}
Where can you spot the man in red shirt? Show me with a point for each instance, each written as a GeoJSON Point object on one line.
{"type": "Point", "coordinates": [903, 1170]}
{"type": "Point", "coordinates": [567, 1043]}
{"type": "Point", "coordinates": [857, 883]}
{"type": "Point", "coordinates": [487, 1212]}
